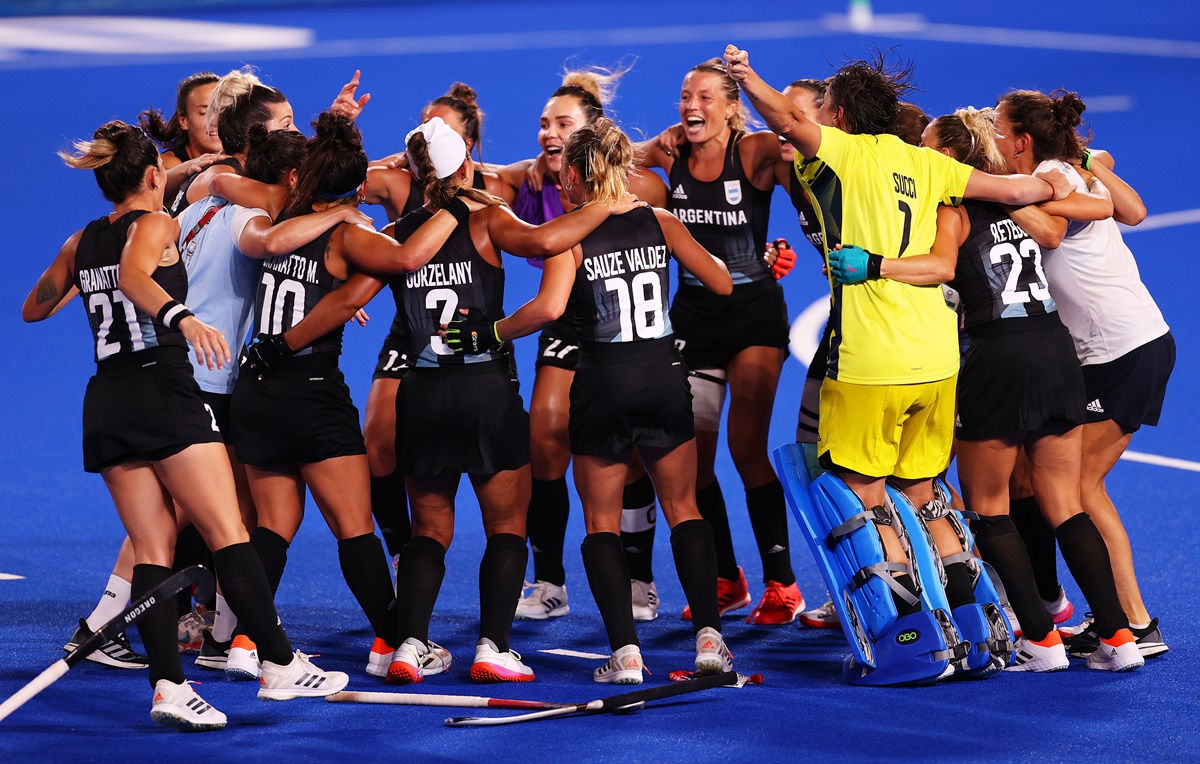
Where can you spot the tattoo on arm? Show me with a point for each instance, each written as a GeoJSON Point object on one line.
{"type": "Point", "coordinates": [46, 291]}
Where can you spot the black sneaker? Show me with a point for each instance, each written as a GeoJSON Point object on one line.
{"type": "Point", "coordinates": [115, 654]}
{"type": "Point", "coordinates": [213, 654]}
{"type": "Point", "coordinates": [1149, 640]}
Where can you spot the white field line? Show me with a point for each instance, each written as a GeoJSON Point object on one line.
{"type": "Point", "coordinates": [1161, 461]}
{"type": "Point", "coordinates": [1164, 220]}
{"type": "Point", "coordinates": [11, 577]}
{"type": "Point", "coordinates": [576, 654]}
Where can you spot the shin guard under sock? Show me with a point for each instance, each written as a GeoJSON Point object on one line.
{"type": "Point", "coordinates": [711, 503]}
{"type": "Point", "coordinates": [419, 575]}
{"type": "Point", "coordinates": [608, 575]}
{"type": "Point", "coordinates": [1038, 537]}
{"type": "Point", "coordinates": [244, 586]}
{"type": "Point", "coordinates": [158, 626]}
{"type": "Point", "coordinates": [549, 507]}
{"type": "Point", "coordinates": [696, 563]}
{"type": "Point", "coordinates": [365, 569]}
{"type": "Point", "coordinates": [768, 518]}
{"type": "Point", "coordinates": [1086, 555]}
{"type": "Point", "coordinates": [1002, 547]}
{"type": "Point", "coordinates": [389, 505]}
{"type": "Point", "coordinates": [500, 574]}
{"type": "Point", "coordinates": [638, 519]}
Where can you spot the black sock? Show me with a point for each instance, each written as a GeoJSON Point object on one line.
{"type": "Point", "coordinates": [1039, 543]}
{"type": "Point", "coordinates": [389, 505]}
{"type": "Point", "coordinates": [608, 575]}
{"type": "Point", "coordinates": [638, 518]}
{"type": "Point", "coordinates": [696, 563]}
{"type": "Point", "coordinates": [418, 581]}
{"type": "Point", "coordinates": [189, 550]}
{"type": "Point", "coordinates": [1087, 558]}
{"type": "Point", "coordinates": [157, 626]}
{"type": "Point", "coordinates": [272, 552]}
{"type": "Point", "coordinates": [960, 585]}
{"type": "Point", "coordinates": [245, 587]}
{"type": "Point", "coordinates": [549, 507]}
{"type": "Point", "coordinates": [367, 574]}
{"type": "Point", "coordinates": [768, 518]}
{"type": "Point", "coordinates": [500, 574]}
{"type": "Point", "coordinates": [711, 503]}
{"type": "Point", "coordinates": [908, 584]}
{"type": "Point", "coordinates": [1001, 546]}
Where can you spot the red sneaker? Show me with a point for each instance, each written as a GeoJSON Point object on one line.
{"type": "Point", "coordinates": [780, 604]}
{"type": "Point", "coordinates": [731, 595]}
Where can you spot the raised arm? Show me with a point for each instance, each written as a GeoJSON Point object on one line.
{"type": "Point", "coordinates": [54, 288]}
{"type": "Point", "coordinates": [517, 237]}
{"type": "Point", "coordinates": [259, 239]}
{"type": "Point", "coordinates": [781, 115]}
{"type": "Point", "coordinates": [1018, 190]}
{"type": "Point", "coordinates": [149, 237]}
{"type": "Point", "coordinates": [712, 273]}
{"type": "Point", "coordinates": [1128, 207]}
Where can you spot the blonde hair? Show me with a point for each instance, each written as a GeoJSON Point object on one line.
{"type": "Point", "coordinates": [238, 102]}
{"type": "Point", "coordinates": [970, 135]}
{"type": "Point", "coordinates": [119, 154]}
{"type": "Point", "coordinates": [741, 117]}
{"type": "Point", "coordinates": [594, 87]}
{"type": "Point", "coordinates": [603, 155]}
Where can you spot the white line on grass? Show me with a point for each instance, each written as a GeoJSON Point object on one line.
{"type": "Point", "coordinates": [1164, 220]}
{"type": "Point", "coordinates": [11, 577]}
{"type": "Point", "coordinates": [1161, 461]}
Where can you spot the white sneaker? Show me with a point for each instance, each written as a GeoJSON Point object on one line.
{"type": "Point", "coordinates": [436, 660]}
{"type": "Point", "coordinates": [1060, 609]}
{"type": "Point", "coordinates": [380, 658]}
{"type": "Point", "coordinates": [242, 664]}
{"type": "Point", "coordinates": [1039, 657]}
{"type": "Point", "coordinates": [407, 662]}
{"type": "Point", "coordinates": [178, 706]}
{"type": "Point", "coordinates": [190, 631]}
{"type": "Point", "coordinates": [624, 667]}
{"type": "Point", "coordinates": [491, 665]}
{"type": "Point", "coordinates": [645, 600]}
{"type": "Point", "coordinates": [712, 656]}
{"type": "Point", "coordinates": [1118, 653]}
{"type": "Point", "coordinates": [1084, 625]}
{"type": "Point", "coordinates": [298, 679]}
{"type": "Point", "coordinates": [824, 617]}
{"type": "Point", "coordinates": [547, 600]}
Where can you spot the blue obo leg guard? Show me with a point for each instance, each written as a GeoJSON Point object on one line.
{"type": "Point", "coordinates": [887, 649]}
{"type": "Point", "coordinates": [980, 625]}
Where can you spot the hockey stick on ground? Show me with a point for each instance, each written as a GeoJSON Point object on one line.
{"type": "Point", "coordinates": [624, 702]}
{"type": "Point", "coordinates": [196, 576]}
{"type": "Point", "coordinates": [446, 701]}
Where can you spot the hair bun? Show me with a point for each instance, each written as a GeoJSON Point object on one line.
{"type": "Point", "coordinates": [337, 127]}
{"type": "Point", "coordinates": [1068, 107]}
{"type": "Point", "coordinates": [463, 92]}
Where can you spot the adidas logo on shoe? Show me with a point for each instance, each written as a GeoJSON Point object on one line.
{"type": "Point", "coordinates": [679, 193]}
{"type": "Point", "coordinates": [708, 645]}
{"type": "Point", "coordinates": [1095, 407]}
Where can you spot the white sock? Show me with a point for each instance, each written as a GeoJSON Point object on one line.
{"type": "Point", "coordinates": [224, 621]}
{"type": "Point", "coordinates": [1145, 625]}
{"type": "Point", "coordinates": [115, 599]}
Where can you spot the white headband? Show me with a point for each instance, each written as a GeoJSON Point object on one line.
{"type": "Point", "coordinates": [447, 149]}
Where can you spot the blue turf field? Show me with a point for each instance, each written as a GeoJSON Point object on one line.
{"type": "Point", "coordinates": [1137, 66]}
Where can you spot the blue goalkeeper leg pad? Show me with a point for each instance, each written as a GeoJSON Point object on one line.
{"type": "Point", "coordinates": [886, 649]}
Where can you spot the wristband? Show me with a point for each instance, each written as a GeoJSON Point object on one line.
{"type": "Point", "coordinates": [1086, 162]}
{"type": "Point", "coordinates": [874, 263]}
{"type": "Point", "coordinates": [172, 313]}
{"type": "Point", "coordinates": [496, 333]}
{"type": "Point", "coordinates": [458, 208]}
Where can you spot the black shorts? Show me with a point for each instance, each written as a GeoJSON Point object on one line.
{"type": "Point", "coordinates": [558, 344]}
{"type": "Point", "coordinates": [819, 366]}
{"type": "Point", "coordinates": [1130, 389]}
{"type": "Point", "coordinates": [299, 414]}
{"type": "Point", "coordinates": [393, 358]}
{"type": "Point", "coordinates": [463, 418]}
{"type": "Point", "coordinates": [711, 329]}
{"type": "Point", "coordinates": [627, 394]}
{"type": "Point", "coordinates": [1020, 375]}
{"type": "Point", "coordinates": [143, 406]}
{"type": "Point", "coordinates": [218, 404]}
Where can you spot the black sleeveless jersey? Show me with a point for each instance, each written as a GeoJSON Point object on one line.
{"type": "Point", "coordinates": [180, 203]}
{"type": "Point", "coordinates": [291, 286]}
{"type": "Point", "coordinates": [999, 273]}
{"type": "Point", "coordinates": [623, 283]}
{"type": "Point", "coordinates": [727, 216]}
{"type": "Point", "coordinates": [456, 278]}
{"type": "Point", "coordinates": [119, 326]}
{"type": "Point", "coordinates": [180, 153]}
{"type": "Point", "coordinates": [810, 221]}
{"type": "Point", "coordinates": [416, 196]}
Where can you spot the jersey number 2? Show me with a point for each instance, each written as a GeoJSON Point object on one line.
{"type": "Point", "coordinates": [100, 302]}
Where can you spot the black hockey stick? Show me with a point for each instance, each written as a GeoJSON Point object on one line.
{"type": "Point", "coordinates": [196, 576]}
{"type": "Point", "coordinates": [626, 701]}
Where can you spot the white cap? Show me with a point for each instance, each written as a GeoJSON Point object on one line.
{"type": "Point", "coordinates": [447, 149]}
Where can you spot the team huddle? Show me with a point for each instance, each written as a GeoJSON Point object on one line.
{"type": "Point", "coordinates": [236, 235]}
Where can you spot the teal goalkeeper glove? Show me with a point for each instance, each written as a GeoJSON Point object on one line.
{"type": "Point", "coordinates": [470, 336]}
{"type": "Point", "coordinates": [854, 265]}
